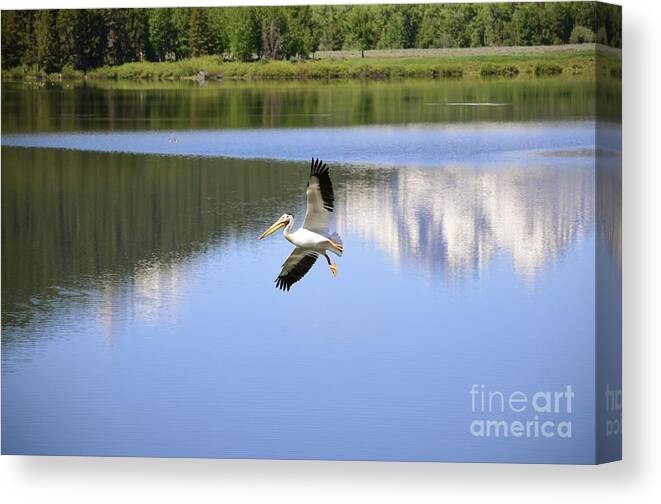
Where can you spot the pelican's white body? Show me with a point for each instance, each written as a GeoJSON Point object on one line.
{"type": "Point", "coordinates": [310, 240]}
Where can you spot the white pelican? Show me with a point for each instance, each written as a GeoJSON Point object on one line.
{"type": "Point", "coordinates": [312, 239]}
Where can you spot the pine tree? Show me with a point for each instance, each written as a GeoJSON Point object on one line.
{"type": "Point", "coordinates": [116, 40]}
{"type": "Point", "coordinates": [67, 22]}
{"type": "Point", "coordinates": [390, 27]}
{"type": "Point", "coordinates": [137, 34]}
{"type": "Point", "coordinates": [362, 27]}
{"type": "Point", "coordinates": [329, 26]}
{"type": "Point", "coordinates": [12, 38]}
{"type": "Point", "coordinates": [47, 43]}
{"type": "Point", "coordinates": [162, 36]}
{"type": "Point", "coordinates": [181, 20]}
{"type": "Point", "coordinates": [218, 24]}
{"type": "Point", "coordinates": [29, 39]}
{"type": "Point", "coordinates": [92, 35]}
{"type": "Point", "coordinates": [199, 34]}
{"type": "Point", "coordinates": [300, 39]}
{"type": "Point", "coordinates": [245, 33]}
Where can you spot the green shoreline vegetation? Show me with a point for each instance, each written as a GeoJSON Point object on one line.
{"type": "Point", "coordinates": [583, 63]}
{"type": "Point", "coordinates": [313, 42]}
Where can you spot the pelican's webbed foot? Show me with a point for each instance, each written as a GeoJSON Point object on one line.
{"type": "Point", "coordinates": [337, 246]}
{"type": "Point", "coordinates": [331, 265]}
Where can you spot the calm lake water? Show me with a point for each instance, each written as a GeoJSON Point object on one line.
{"type": "Point", "coordinates": [139, 314]}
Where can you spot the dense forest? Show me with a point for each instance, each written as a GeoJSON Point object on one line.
{"type": "Point", "coordinates": [52, 40]}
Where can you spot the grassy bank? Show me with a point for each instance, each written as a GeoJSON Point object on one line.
{"type": "Point", "coordinates": [464, 63]}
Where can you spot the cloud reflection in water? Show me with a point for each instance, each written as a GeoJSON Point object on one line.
{"type": "Point", "coordinates": [454, 220]}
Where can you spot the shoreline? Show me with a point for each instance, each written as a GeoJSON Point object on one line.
{"type": "Point", "coordinates": [587, 60]}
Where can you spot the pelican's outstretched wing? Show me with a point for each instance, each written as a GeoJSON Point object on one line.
{"type": "Point", "coordinates": [295, 267]}
{"type": "Point", "coordinates": [320, 198]}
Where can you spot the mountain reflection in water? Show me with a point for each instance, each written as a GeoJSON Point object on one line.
{"type": "Point", "coordinates": [454, 220]}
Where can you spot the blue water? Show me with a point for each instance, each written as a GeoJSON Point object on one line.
{"type": "Point", "coordinates": [427, 145]}
{"type": "Point", "coordinates": [469, 259]}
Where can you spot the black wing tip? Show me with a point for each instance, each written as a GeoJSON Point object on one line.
{"type": "Point", "coordinates": [320, 170]}
{"type": "Point", "coordinates": [282, 284]}
{"type": "Point", "coordinates": [318, 167]}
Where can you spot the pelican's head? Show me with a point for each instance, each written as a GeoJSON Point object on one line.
{"type": "Point", "coordinates": [284, 220]}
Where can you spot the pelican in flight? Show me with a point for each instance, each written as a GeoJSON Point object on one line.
{"type": "Point", "coordinates": [312, 239]}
